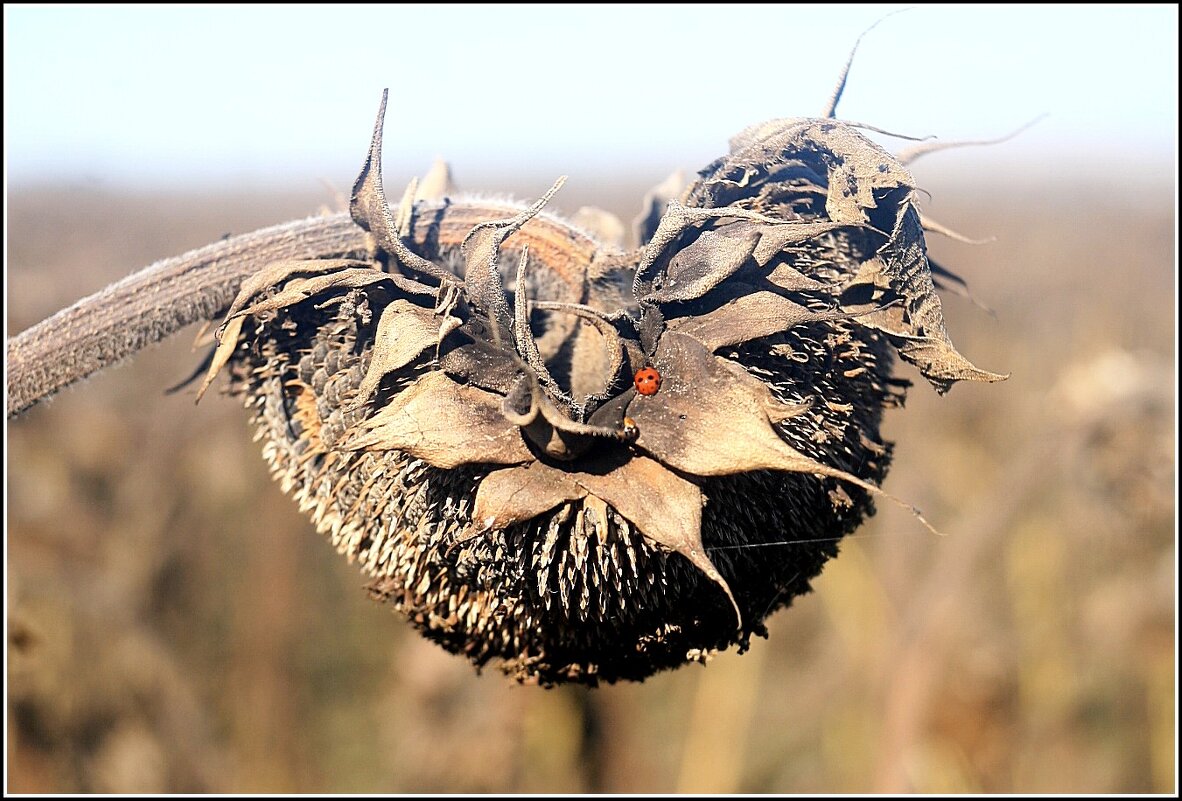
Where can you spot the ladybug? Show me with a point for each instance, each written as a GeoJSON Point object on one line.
{"type": "Point", "coordinates": [647, 381]}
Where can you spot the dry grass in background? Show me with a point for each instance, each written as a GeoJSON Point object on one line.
{"type": "Point", "coordinates": [176, 625]}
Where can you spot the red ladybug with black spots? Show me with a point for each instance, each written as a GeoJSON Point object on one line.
{"type": "Point", "coordinates": [647, 381]}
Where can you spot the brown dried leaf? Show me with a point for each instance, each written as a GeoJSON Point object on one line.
{"type": "Point", "coordinates": [705, 263]}
{"type": "Point", "coordinates": [445, 424]}
{"type": "Point", "coordinates": [676, 221]}
{"type": "Point", "coordinates": [283, 271]}
{"type": "Point", "coordinates": [712, 418]}
{"type": "Point", "coordinates": [404, 331]}
{"type": "Point", "coordinates": [793, 280]}
{"type": "Point", "coordinates": [516, 494]}
{"type": "Point", "coordinates": [919, 333]}
{"type": "Point", "coordinates": [774, 238]}
{"type": "Point", "coordinates": [481, 251]}
{"type": "Point", "coordinates": [300, 289]}
{"type": "Point", "coordinates": [480, 364]}
{"type": "Point", "coordinates": [665, 508]}
{"type": "Point", "coordinates": [852, 190]}
{"type": "Point", "coordinates": [940, 362]}
{"type": "Point", "coordinates": [719, 253]}
{"type": "Point", "coordinates": [297, 271]}
{"type": "Point", "coordinates": [225, 349]}
{"type": "Point", "coordinates": [751, 314]}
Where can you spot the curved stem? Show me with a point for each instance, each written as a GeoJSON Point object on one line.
{"type": "Point", "coordinates": [149, 305]}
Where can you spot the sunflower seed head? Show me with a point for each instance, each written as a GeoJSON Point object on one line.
{"type": "Point", "coordinates": [483, 453]}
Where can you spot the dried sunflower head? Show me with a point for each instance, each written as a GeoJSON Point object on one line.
{"type": "Point", "coordinates": [570, 469]}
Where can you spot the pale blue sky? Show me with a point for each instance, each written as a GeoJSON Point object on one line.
{"type": "Point", "coordinates": [202, 95]}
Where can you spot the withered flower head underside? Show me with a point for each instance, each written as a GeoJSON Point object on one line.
{"type": "Point", "coordinates": [584, 463]}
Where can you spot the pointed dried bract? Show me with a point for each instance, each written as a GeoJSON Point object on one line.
{"type": "Point", "coordinates": [404, 331]}
{"type": "Point", "coordinates": [518, 494]}
{"type": "Point", "coordinates": [481, 250]}
{"type": "Point", "coordinates": [917, 328]}
{"type": "Point", "coordinates": [445, 424]}
{"type": "Point", "coordinates": [369, 209]}
{"type": "Point", "coordinates": [751, 314]}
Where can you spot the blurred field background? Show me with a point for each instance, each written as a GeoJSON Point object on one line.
{"type": "Point", "coordinates": [176, 625]}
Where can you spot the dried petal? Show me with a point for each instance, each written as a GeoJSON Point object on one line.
{"type": "Point", "coordinates": [793, 280]}
{"type": "Point", "coordinates": [297, 272]}
{"type": "Point", "coordinates": [283, 271]}
{"type": "Point", "coordinates": [940, 362]}
{"type": "Point", "coordinates": [445, 424]}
